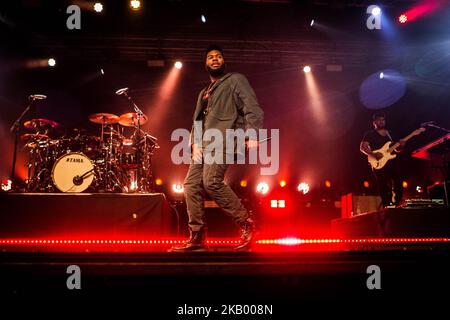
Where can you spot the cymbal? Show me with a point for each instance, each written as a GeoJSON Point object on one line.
{"type": "Point", "coordinates": [104, 118]}
{"type": "Point", "coordinates": [36, 123]}
{"type": "Point", "coordinates": [130, 119]}
{"type": "Point", "coordinates": [29, 136]}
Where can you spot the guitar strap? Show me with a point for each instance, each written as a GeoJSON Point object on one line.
{"type": "Point", "coordinates": [389, 135]}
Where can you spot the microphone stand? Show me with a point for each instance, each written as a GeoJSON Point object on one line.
{"type": "Point", "coordinates": [15, 128]}
{"type": "Point", "coordinates": [137, 137]}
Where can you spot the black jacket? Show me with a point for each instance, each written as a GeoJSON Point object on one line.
{"type": "Point", "coordinates": [232, 104]}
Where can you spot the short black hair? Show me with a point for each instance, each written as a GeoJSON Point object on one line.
{"type": "Point", "coordinates": [212, 47]}
{"type": "Point", "coordinates": [379, 114]}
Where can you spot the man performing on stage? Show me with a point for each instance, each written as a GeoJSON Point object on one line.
{"type": "Point", "coordinates": [388, 178]}
{"type": "Point", "coordinates": [228, 102]}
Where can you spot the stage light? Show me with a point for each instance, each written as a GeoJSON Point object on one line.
{"type": "Point", "coordinates": [51, 62]}
{"type": "Point", "coordinates": [328, 183]}
{"type": "Point", "coordinates": [98, 7]}
{"type": "Point", "coordinates": [262, 188]}
{"type": "Point", "coordinates": [102, 71]}
{"type": "Point", "coordinates": [178, 65]}
{"type": "Point", "coordinates": [405, 184]}
{"type": "Point", "coordinates": [419, 189]}
{"type": "Point", "coordinates": [278, 203]}
{"type": "Point", "coordinates": [6, 185]}
{"type": "Point", "coordinates": [312, 22]}
{"type": "Point", "coordinates": [306, 69]}
{"type": "Point", "coordinates": [283, 183]}
{"type": "Point", "coordinates": [158, 182]}
{"type": "Point", "coordinates": [203, 18]}
{"type": "Point", "coordinates": [376, 11]}
{"type": "Point", "coordinates": [303, 187]}
{"type": "Point", "coordinates": [381, 75]}
{"type": "Point", "coordinates": [135, 4]}
{"type": "Point", "coordinates": [403, 18]}
{"type": "Point", "coordinates": [366, 184]}
{"type": "Point", "coordinates": [177, 188]}
{"type": "Point", "coordinates": [244, 183]}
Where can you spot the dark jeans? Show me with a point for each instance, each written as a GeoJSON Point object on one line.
{"type": "Point", "coordinates": [208, 178]}
{"type": "Point", "coordinates": [388, 180]}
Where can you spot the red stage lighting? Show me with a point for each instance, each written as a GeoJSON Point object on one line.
{"type": "Point", "coordinates": [283, 183]}
{"type": "Point", "coordinates": [178, 188]}
{"type": "Point", "coordinates": [366, 184]}
{"type": "Point", "coordinates": [135, 5]}
{"type": "Point", "coordinates": [178, 65]}
{"type": "Point", "coordinates": [303, 187]}
{"type": "Point", "coordinates": [403, 18]}
{"type": "Point", "coordinates": [51, 62]}
{"type": "Point", "coordinates": [278, 203]}
{"type": "Point", "coordinates": [262, 188]}
{"type": "Point", "coordinates": [328, 183]}
{"type": "Point", "coordinates": [98, 7]}
{"type": "Point", "coordinates": [420, 9]}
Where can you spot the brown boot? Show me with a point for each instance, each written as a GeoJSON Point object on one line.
{"type": "Point", "coordinates": [197, 242]}
{"type": "Point", "coordinates": [247, 235]}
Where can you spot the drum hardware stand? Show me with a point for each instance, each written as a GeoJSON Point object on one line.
{"type": "Point", "coordinates": [15, 128]}
{"type": "Point", "coordinates": [109, 176]}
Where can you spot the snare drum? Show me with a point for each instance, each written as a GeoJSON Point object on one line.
{"type": "Point", "coordinates": [73, 172]}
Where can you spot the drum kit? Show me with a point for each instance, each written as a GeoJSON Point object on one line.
{"type": "Point", "coordinates": [76, 161]}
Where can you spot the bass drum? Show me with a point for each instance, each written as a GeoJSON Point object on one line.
{"type": "Point", "coordinates": [73, 172]}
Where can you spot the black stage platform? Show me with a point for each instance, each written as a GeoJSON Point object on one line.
{"type": "Point", "coordinates": [80, 215]}
{"type": "Point", "coordinates": [402, 222]}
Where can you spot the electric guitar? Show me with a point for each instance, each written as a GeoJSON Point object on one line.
{"type": "Point", "coordinates": [387, 151]}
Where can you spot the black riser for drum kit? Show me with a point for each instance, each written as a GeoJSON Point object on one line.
{"type": "Point", "coordinates": [80, 162]}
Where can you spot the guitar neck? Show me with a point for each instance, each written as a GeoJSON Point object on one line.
{"type": "Point", "coordinates": [395, 145]}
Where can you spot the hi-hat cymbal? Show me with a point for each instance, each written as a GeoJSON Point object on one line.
{"type": "Point", "coordinates": [29, 136]}
{"type": "Point", "coordinates": [130, 119]}
{"type": "Point", "coordinates": [38, 123]}
{"type": "Point", "coordinates": [104, 118]}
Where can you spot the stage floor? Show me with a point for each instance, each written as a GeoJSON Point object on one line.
{"type": "Point", "coordinates": [277, 272]}
{"type": "Point", "coordinates": [119, 243]}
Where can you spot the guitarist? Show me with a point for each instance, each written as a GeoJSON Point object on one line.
{"type": "Point", "coordinates": [388, 178]}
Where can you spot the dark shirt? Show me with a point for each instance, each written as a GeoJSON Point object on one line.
{"type": "Point", "coordinates": [205, 99]}
{"type": "Point", "coordinates": [375, 140]}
